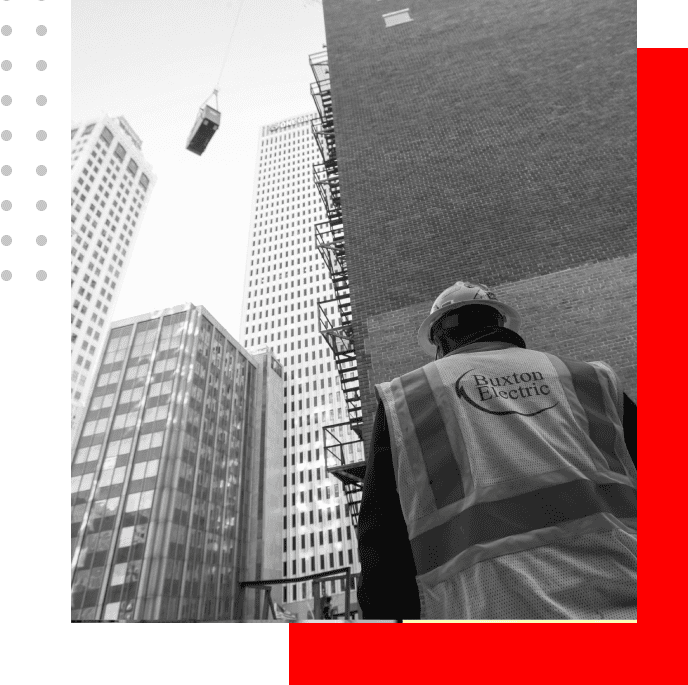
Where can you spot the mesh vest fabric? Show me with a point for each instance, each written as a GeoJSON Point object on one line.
{"type": "Point", "coordinates": [516, 486]}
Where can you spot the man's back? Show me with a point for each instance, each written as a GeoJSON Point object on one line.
{"type": "Point", "coordinates": [517, 491]}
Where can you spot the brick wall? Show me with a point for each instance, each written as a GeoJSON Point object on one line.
{"type": "Point", "coordinates": [491, 140]}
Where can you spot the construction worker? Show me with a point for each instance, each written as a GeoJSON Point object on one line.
{"type": "Point", "coordinates": [326, 607]}
{"type": "Point", "coordinates": [501, 481]}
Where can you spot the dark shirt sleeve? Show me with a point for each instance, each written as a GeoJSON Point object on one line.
{"type": "Point", "coordinates": [630, 426]}
{"type": "Point", "coordinates": [388, 587]}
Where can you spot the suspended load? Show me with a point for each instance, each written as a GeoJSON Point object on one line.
{"type": "Point", "coordinates": [208, 119]}
{"type": "Point", "coordinates": [207, 122]}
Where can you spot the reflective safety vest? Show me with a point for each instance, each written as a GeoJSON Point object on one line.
{"type": "Point", "coordinates": [517, 488]}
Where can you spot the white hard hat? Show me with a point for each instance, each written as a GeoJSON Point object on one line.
{"type": "Point", "coordinates": [457, 296]}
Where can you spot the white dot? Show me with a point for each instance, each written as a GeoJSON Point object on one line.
{"type": "Point", "coordinates": [6, 275]}
{"type": "Point", "coordinates": [41, 275]}
{"type": "Point", "coordinates": [41, 135]}
{"type": "Point", "coordinates": [41, 100]}
{"type": "Point", "coordinates": [41, 65]}
{"type": "Point", "coordinates": [6, 240]}
{"type": "Point", "coordinates": [41, 240]}
{"type": "Point", "coordinates": [41, 30]}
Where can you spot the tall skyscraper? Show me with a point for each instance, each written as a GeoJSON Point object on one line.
{"type": "Point", "coordinates": [488, 142]}
{"type": "Point", "coordinates": [169, 508]}
{"type": "Point", "coordinates": [285, 280]}
{"type": "Point", "coordinates": [111, 187]}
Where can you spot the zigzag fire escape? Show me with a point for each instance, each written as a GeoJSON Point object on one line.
{"type": "Point", "coordinates": [342, 438]}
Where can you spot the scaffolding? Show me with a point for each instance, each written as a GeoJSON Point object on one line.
{"type": "Point", "coordinates": [267, 610]}
{"type": "Point", "coordinates": [340, 457]}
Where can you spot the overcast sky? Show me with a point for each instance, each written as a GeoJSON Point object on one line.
{"type": "Point", "coordinates": [155, 62]}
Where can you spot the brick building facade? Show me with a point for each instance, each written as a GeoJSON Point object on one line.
{"type": "Point", "coordinates": [490, 141]}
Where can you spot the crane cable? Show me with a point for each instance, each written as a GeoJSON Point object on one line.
{"type": "Point", "coordinates": [224, 61]}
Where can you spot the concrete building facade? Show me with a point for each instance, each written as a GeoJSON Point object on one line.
{"type": "Point", "coordinates": [285, 279]}
{"type": "Point", "coordinates": [111, 186]}
{"type": "Point", "coordinates": [492, 142]}
{"type": "Point", "coordinates": [168, 505]}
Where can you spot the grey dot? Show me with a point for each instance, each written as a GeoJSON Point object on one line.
{"type": "Point", "coordinates": [41, 100]}
{"type": "Point", "coordinates": [41, 65]}
{"type": "Point", "coordinates": [6, 275]}
{"type": "Point", "coordinates": [6, 65]}
{"type": "Point", "coordinates": [6, 205]}
{"type": "Point", "coordinates": [41, 240]}
{"type": "Point", "coordinates": [6, 170]}
{"type": "Point", "coordinates": [41, 135]}
{"type": "Point", "coordinates": [41, 275]}
{"type": "Point", "coordinates": [6, 240]}
{"type": "Point", "coordinates": [6, 30]}
{"type": "Point", "coordinates": [41, 30]}
{"type": "Point", "coordinates": [6, 100]}
{"type": "Point", "coordinates": [41, 205]}
{"type": "Point", "coordinates": [41, 170]}
{"type": "Point", "coordinates": [6, 135]}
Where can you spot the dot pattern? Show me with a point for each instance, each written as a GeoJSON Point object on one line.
{"type": "Point", "coordinates": [6, 135]}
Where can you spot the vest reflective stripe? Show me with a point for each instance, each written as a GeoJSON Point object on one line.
{"type": "Point", "coordinates": [440, 463]}
{"type": "Point", "coordinates": [590, 396]}
{"type": "Point", "coordinates": [488, 521]}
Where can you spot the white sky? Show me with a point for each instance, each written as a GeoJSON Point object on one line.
{"type": "Point", "coordinates": [155, 62]}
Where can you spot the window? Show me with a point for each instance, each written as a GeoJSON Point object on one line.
{"type": "Point", "coordinates": [88, 129]}
{"type": "Point", "coordinates": [144, 181]}
{"type": "Point", "coordinates": [120, 152]}
{"type": "Point", "coordinates": [132, 167]}
{"type": "Point", "coordinates": [106, 136]}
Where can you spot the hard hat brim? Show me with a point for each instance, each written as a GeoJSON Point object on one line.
{"type": "Point", "coordinates": [513, 320]}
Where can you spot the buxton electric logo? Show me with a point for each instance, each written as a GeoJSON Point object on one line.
{"type": "Point", "coordinates": [514, 387]}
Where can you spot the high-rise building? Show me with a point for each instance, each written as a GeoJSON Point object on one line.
{"type": "Point", "coordinates": [169, 508]}
{"type": "Point", "coordinates": [285, 280]}
{"type": "Point", "coordinates": [111, 187]}
{"type": "Point", "coordinates": [491, 142]}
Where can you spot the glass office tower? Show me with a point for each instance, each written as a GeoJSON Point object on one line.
{"type": "Point", "coordinates": [157, 469]}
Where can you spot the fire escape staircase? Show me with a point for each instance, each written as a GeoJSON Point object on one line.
{"type": "Point", "coordinates": [341, 460]}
